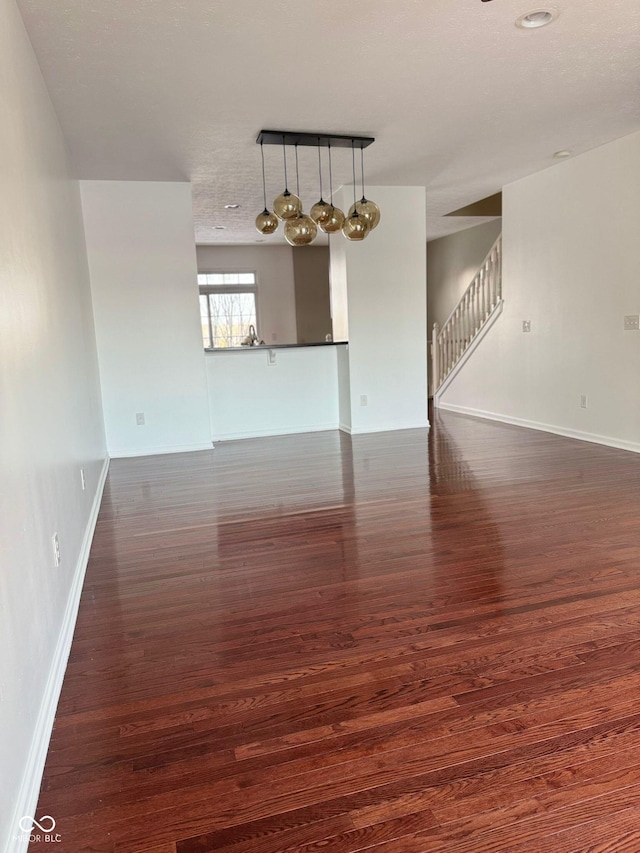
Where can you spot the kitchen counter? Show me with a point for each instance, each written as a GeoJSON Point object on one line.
{"type": "Point", "coordinates": [274, 346]}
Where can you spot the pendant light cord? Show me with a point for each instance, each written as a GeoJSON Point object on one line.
{"type": "Point", "coordinates": [362, 170]}
{"type": "Point", "coordinates": [330, 177]}
{"type": "Point", "coordinates": [320, 169]}
{"type": "Point", "coordinates": [284, 157]}
{"type": "Point", "coordinates": [297, 173]}
{"type": "Point", "coordinates": [353, 164]}
{"type": "Point", "coordinates": [264, 183]}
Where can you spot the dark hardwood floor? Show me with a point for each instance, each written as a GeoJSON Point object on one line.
{"type": "Point", "coordinates": [400, 643]}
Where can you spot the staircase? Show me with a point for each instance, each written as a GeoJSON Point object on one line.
{"type": "Point", "coordinates": [476, 311]}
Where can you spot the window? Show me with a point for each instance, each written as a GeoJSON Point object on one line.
{"type": "Point", "coordinates": [227, 307]}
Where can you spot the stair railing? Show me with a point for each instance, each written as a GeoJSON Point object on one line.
{"type": "Point", "coordinates": [449, 344]}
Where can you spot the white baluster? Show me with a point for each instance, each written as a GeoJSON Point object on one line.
{"type": "Point", "coordinates": [487, 290]}
{"type": "Point", "coordinates": [494, 290]}
{"type": "Point", "coordinates": [445, 351]}
{"type": "Point", "coordinates": [483, 294]}
{"type": "Point", "coordinates": [435, 360]}
{"type": "Point", "coordinates": [476, 306]}
{"type": "Point", "coordinates": [465, 317]}
{"type": "Point", "coordinates": [454, 354]}
{"type": "Point", "coordinates": [487, 287]}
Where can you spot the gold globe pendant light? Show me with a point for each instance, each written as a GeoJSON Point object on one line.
{"type": "Point", "coordinates": [300, 230]}
{"type": "Point", "coordinates": [369, 210]}
{"type": "Point", "coordinates": [321, 211]}
{"type": "Point", "coordinates": [286, 205]}
{"type": "Point", "coordinates": [335, 221]}
{"type": "Point", "coordinates": [355, 227]}
{"type": "Point", "coordinates": [365, 207]}
{"type": "Point", "coordinates": [266, 222]}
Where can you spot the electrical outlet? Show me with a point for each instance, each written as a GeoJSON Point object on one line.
{"type": "Point", "coordinates": [583, 401]}
{"type": "Point", "coordinates": [364, 401]}
{"type": "Point", "coordinates": [140, 419]}
{"type": "Point", "coordinates": [526, 325]}
{"type": "Point", "coordinates": [632, 322]}
{"type": "Point", "coordinates": [274, 337]}
{"type": "Point", "coordinates": [55, 542]}
{"type": "Point", "coordinates": [83, 480]}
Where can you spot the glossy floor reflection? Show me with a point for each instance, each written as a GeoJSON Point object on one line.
{"type": "Point", "coordinates": [404, 642]}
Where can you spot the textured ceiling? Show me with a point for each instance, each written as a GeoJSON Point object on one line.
{"type": "Point", "coordinates": [459, 100]}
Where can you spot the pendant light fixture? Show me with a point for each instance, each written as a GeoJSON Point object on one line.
{"type": "Point", "coordinates": [266, 222]}
{"type": "Point", "coordinates": [286, 206]}
{"type": "Point", "coordinates": [321, 211]}
{"type": "Point", "coordinates": [301, 230]}
{"type": "Point", "coordinates": [366, 208]}
{"type": "Point", "coordinates": [335, 220]}
{"type": "Point", "coordinates": [355, 227]}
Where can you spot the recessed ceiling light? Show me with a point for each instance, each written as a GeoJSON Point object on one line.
{"type": "Point", "coordinates": [536, 18]}
{"type": "Point", "coordinates": [219, 227]}
{"type": "Point", "coordinates": [560, 155]}
{"type": "Point", "coordinates": [231, 206]}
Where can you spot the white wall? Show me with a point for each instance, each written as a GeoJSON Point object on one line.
{"type": "Point", "coordinates": [249, 397]}
{"type": "Point", "coordinates": [571, 266]}
{"type": "Point", "coordinates": [273, 266]}
{"type": "Point", "coordinates": [344, 388]}
{"type": "Point", "coordinates": [145, 295]}
{"type": "Point", "coordinates": [384, 278]}
{"type": "Point", "coordinates": [51, 420]}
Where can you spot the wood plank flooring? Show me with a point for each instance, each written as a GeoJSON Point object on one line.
{"type": "Point", "coordinates": [409, 642]}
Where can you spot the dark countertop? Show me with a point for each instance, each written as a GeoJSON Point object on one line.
{"type": "Point", "coordinates": [276, 346]}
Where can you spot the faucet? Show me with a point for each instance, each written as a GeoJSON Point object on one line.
{"type": "Point", "coordinates": [252, 339]}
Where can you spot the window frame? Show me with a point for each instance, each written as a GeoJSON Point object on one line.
{"type": "Point", "coordinates": [206, 289]}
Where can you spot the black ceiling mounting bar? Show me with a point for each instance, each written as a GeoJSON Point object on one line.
{"type": "Point", "coordinates": [315, 140]}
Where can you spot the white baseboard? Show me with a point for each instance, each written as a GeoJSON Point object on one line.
{"type": "Point", "coordinates": [265, 433]}
{"type": "Point", "coordinates": [27, 798]}
{"type": "Point", "coordinates": [390, 427]}
{"type": "Point", "coordinates": [158, 451]}
{"type": "Point", "coordinates": [579, 435]}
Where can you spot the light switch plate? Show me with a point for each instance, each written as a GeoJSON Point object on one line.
{"type": "Point", "coordinates": [526, 325]}
{"type": "Point", "coordinates": [632, 322]}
